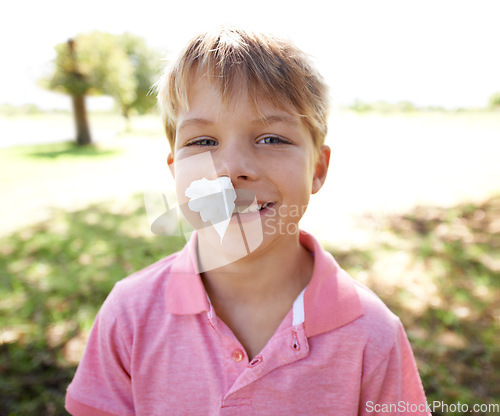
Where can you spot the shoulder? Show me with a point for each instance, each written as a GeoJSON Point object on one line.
{"type": "Point", "coordinates": [335, 301]}
{"type": "Point", "coordinates": [380, 333]}
{"type": "Point", "coordinates": [377, 336]}
{"type": "Point", "coordinates": [140, 293]}
{"type": "Point", "coordinates": [378, 322]}
{"type": "Point", "coordinates": [151, 277]}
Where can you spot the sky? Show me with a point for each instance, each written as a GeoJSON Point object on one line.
{"type": "Point", "coordinates": [430, 52]}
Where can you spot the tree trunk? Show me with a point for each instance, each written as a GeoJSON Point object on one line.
{"type": "Point", "coordinates": [83, 137]}
{"type": "Point", "coordinates": [126, 116]}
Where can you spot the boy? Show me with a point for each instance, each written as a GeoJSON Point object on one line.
{"type": "Point", "coordinates": [252, 317]}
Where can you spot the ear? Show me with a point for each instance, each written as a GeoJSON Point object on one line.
{"type": "Point", "coordinates": [170, 162]}
{"type": "Point", "coordinates": [321, 168]}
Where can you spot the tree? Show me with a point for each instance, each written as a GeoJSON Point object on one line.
{"type": "Point", "coordinates": [495, 100]}
{"type": "Point", "coordinates": [145, 62]}
{"type": "Point", "coordinates": [102, 63]}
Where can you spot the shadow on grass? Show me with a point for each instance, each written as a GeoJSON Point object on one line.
{"type": "Point", "coordinates": [439, 271]}
{"type": "Point", "coordinates": [53, 278]}
{"type": "Point", "coordinates": [33, 380]}
{"type": "Point", "coordinates": [71, 149]}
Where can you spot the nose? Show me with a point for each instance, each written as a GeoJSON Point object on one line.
{"type": "Point", "coordinates": [236, 161]}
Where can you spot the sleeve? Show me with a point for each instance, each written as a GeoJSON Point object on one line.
{"type": "Point", "coordinates": [394, 386]}
{"type": "Point", "coordinates": [102, 383]}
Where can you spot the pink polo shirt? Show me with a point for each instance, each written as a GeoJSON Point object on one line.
{"type": "Point", "coordinates": [157, 348]}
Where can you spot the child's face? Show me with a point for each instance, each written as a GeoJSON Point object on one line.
{"type": "Point", "coordinates": [273, 159]}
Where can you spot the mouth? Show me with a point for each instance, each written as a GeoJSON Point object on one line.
{"type": "Point", "coordinates": [253, 207]}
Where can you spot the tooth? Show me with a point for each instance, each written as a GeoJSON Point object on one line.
{"type": "Point", "coordinates": [252, 208]}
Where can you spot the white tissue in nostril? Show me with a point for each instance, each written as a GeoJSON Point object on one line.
{"type": "Point", "coordinates": [214, 200]}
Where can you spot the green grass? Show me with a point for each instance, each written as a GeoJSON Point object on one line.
{"type": "Point", "coordinates": [25, 163]}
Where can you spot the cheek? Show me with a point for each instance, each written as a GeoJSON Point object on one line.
{"type": "Point", "coordinates": [298, 176]}
{"type": "Point", "coordinates": [296, 187]}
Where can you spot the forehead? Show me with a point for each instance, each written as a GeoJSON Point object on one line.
{"type": "Point", "coordinates": [206, 101]}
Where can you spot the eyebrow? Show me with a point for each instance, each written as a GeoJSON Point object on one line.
{"type": "Point", "coordinates": [194, 122]}
{"type": "Point", "coordinates": [276, 118]}
{"type": "Point", "coordinates": [265, 119]}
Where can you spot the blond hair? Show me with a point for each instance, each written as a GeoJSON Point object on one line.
{"type": "Point", "coordinates": [272, 69]}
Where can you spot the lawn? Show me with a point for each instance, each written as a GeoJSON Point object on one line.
{"type": "Point", "coordinates": [437, 267]}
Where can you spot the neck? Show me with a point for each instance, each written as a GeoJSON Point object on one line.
{"type": "Point", "coordinates": [278, 273]}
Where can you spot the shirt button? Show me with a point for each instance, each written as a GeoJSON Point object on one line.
{"type": "Point", "coordinates": [237, 355]}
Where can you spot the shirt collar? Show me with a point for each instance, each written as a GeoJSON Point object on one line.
{"type": "Point", "coordinates": [330, 299]}
{"type": "Point", "coordinates": [185, 293]}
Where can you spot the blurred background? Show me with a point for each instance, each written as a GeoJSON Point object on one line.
{"type": "Point", "coordinates": [411, 206]}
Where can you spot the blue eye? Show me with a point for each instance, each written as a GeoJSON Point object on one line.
{"type": "Point", "coordinates": [273, 140]}
{"type": "Point", "coordinates": [203, 142]}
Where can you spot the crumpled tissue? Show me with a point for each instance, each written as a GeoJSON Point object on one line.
{"type": "Point", "coordinates": [214, 200]}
